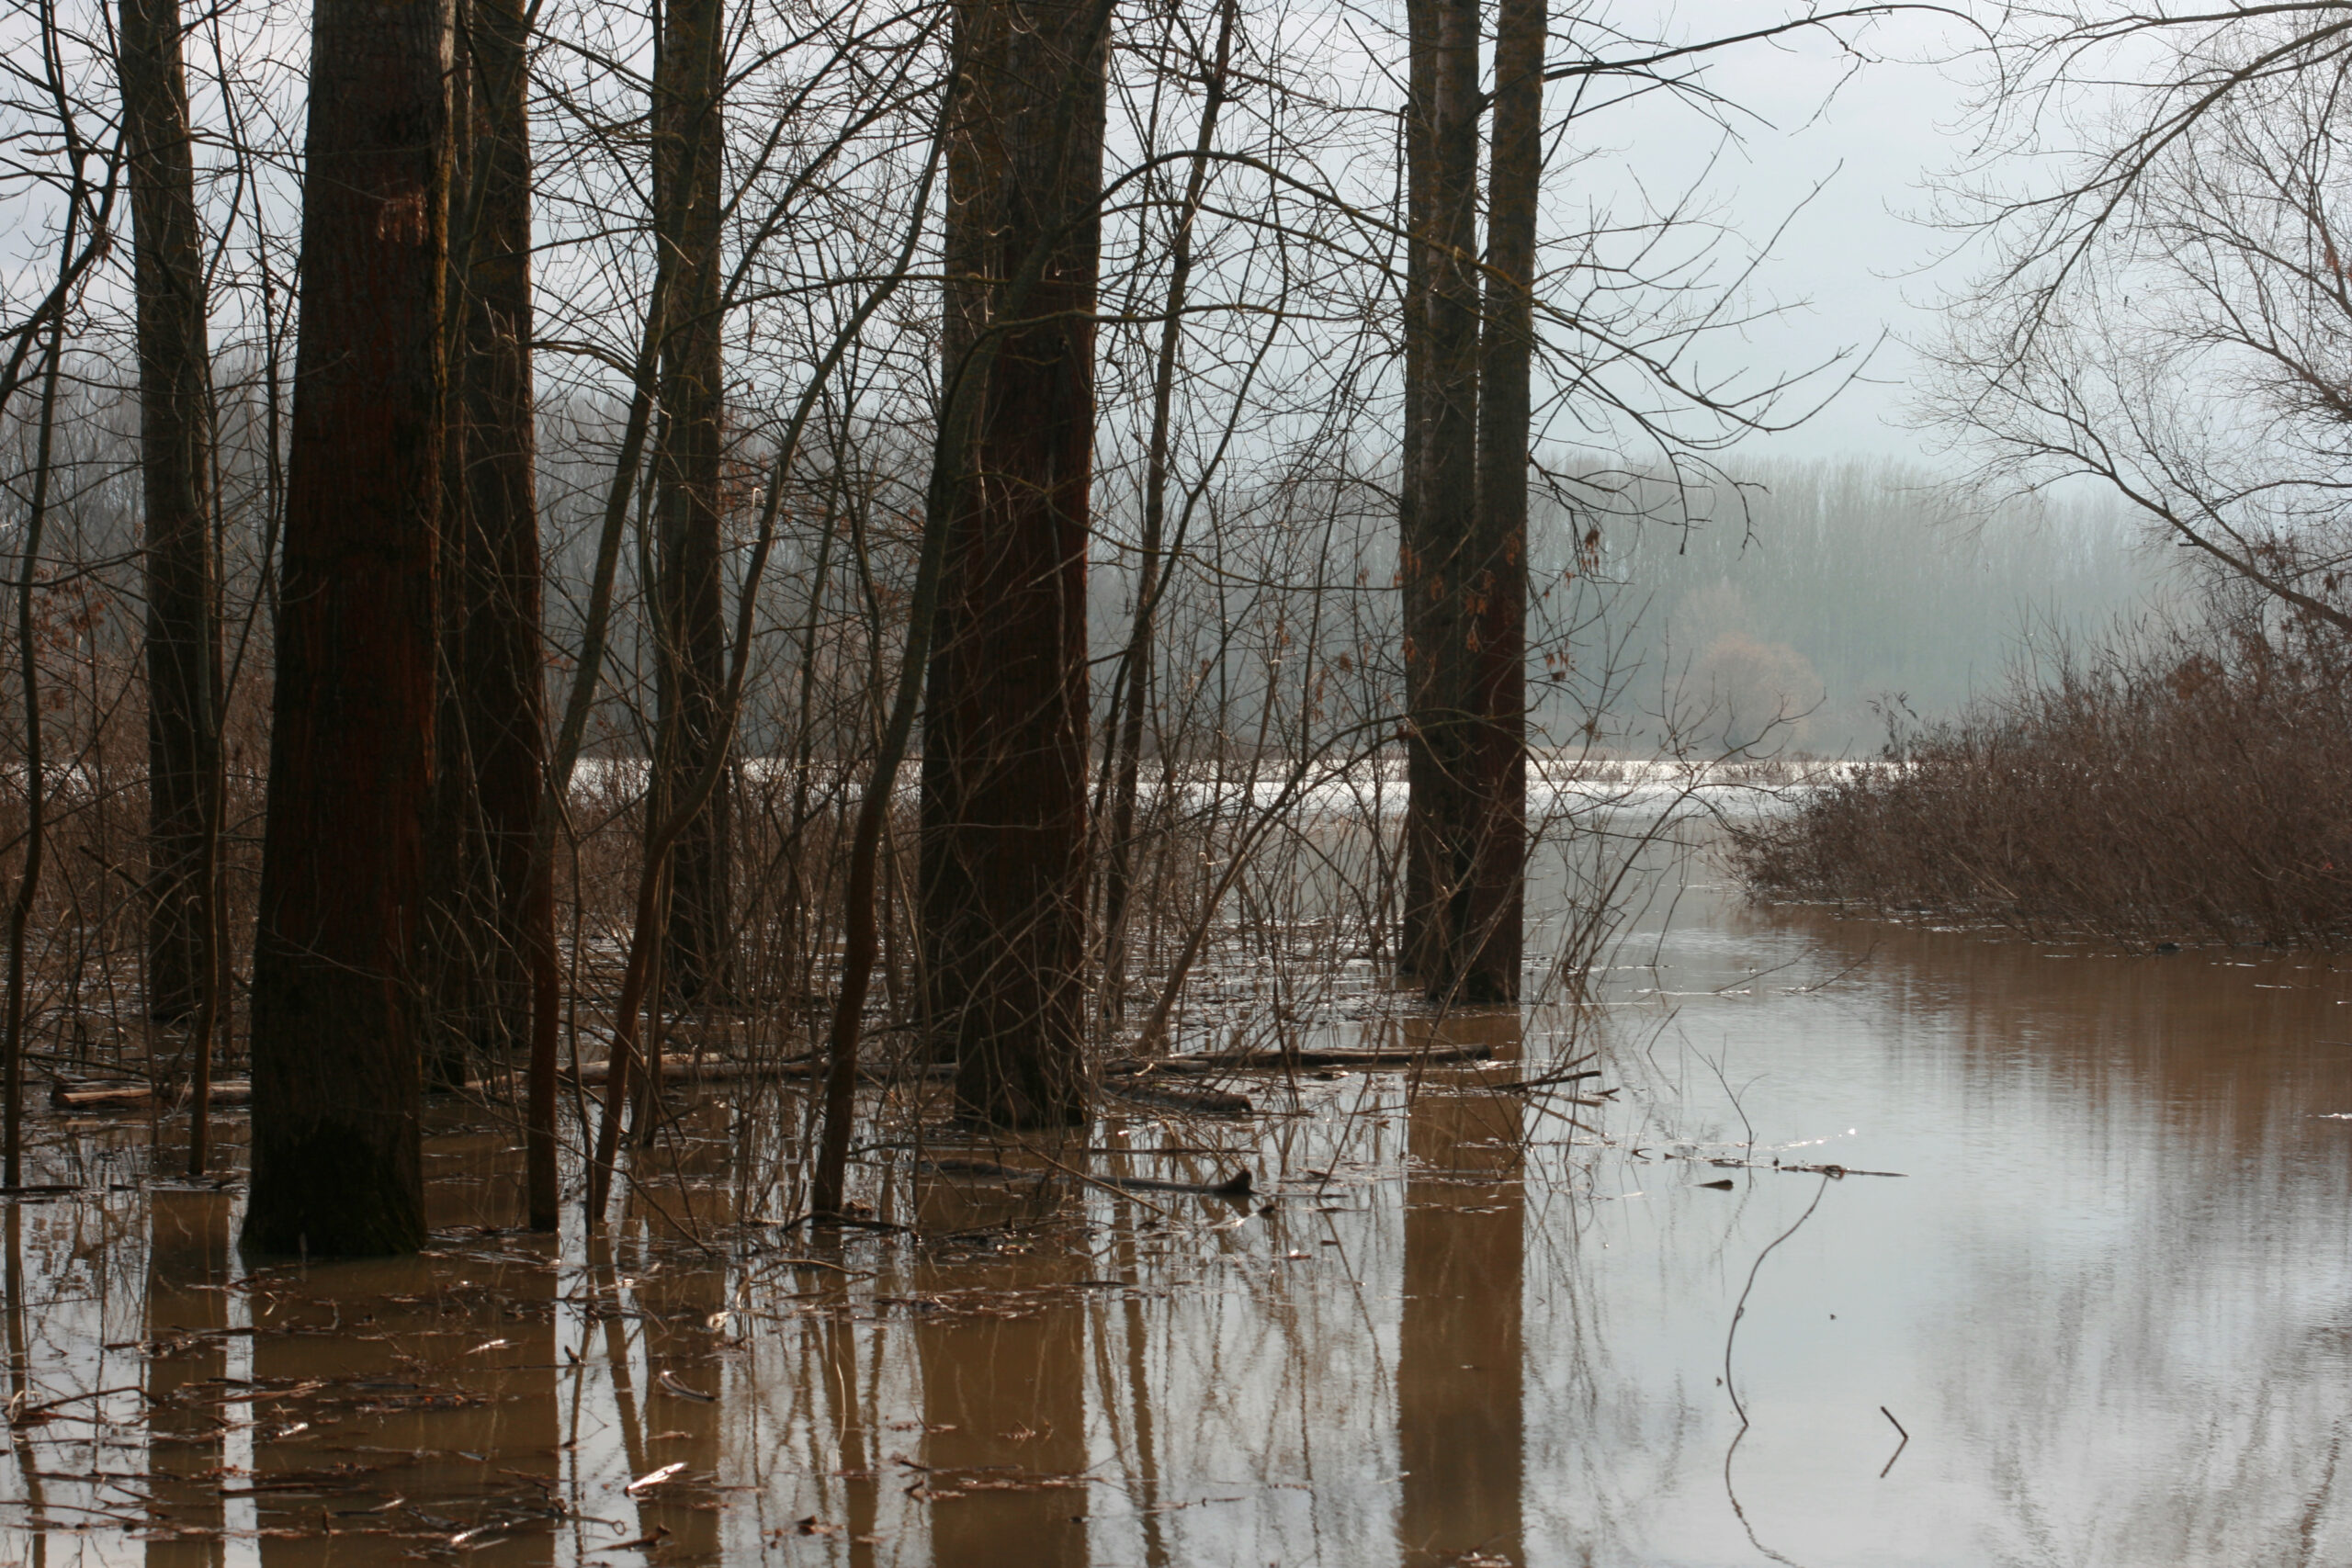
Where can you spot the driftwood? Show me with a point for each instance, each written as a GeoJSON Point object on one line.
{"type": "Point", "coordinates": [139, 1096]}
{"type": "Point", "coordinates": [70, 1096]}
{"type": "Point", "coordinates": [714, 1069]}
{"type": "Point", "coordinates": [1125, 1080]}
{"type": "Point", "coordinates": [1239, 1185]}
{"type": "Point", "coordinates": [1192, 1101]}
{"type": "Point", "coordinates": [1232, 1061]}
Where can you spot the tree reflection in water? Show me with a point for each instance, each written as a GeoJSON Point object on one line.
{"type": "Point", "coordinates": [1458, 1350]}
{"type": "Point", "coordinates": [2107, 1302]}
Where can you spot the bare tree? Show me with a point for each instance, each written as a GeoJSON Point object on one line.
{"type": "Point", "coordinates": [183, 667]}
{"type": "Point", "coordinates": [1005, 714]}
{"type": "Point", "coordinates": [2172, 319]}
{"type": "Point", "coordinates": [336, 1155]}
{"type": "Point", "coordinates": [1132, 684]}
{"type": "Point", "coordinates": [500, 748]}
{"type": "Point", "coordinates": [690, 632]}
{"type": "Point", "coordinates": [1433, 558]}
{"type": "Point", "coordinates": [1490, 864]}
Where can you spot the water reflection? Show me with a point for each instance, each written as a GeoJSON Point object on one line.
{"type": "Point", "coordinates": [2110, 1299]}
{"type": "Point", "coordinates": [186, 1352]}
{"type": "Point", "coordinates": [857, 1454]}
{"type": "Point", "coordinates": [407, 1402]}
{"type": "Point", "coordinates": [680, 1296]}
{"type": "Point", "coordinates": [1458, 1350]}
{"type": "Point", "coordinates": [1003, 1359]}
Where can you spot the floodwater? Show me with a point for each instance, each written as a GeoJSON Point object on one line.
{"type": "Point", "coordinates": [2103, 1316]}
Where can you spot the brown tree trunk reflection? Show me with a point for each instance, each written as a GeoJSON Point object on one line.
{"type": "Point", "coordinates": [1458, 1360]}
{"type": "Point", "coordinates": [683, 1297]}
{"type": "Point", "coordinates": [416, 1394]}
{"type": "Point", "coordinates": [187, 1264]}
{"type": "Point", "coordinates": [1003, 1404]}
{"type": "Point", "coordinates": [860, 1490]}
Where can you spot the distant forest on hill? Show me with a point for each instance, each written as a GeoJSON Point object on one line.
{"type": "Point", "coordinates": [1835, 588]}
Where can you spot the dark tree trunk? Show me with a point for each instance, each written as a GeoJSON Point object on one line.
{"type": "Point", "coordinates": [1421, 176]}
{"type": "Point", "coordinates": [183, 631]}
{"type": "Point", "coordinates": [336, 1159]}
{"type": "Point", "coordinates": [458, 922]}
{"type": "Point", "coordinates": [1489, 907]}
{"type": "Point", "coordinates": [1004, 742]}
{"type": "Point", "coordinates": [496, 915]}
{"type": "Point", "coordinates": [1436, 558]}
{"type": "Point", "coordinates": [690, 628]}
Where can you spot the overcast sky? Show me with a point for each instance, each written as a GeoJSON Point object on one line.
{"type": "Point", "coordinates": [1854, 265]}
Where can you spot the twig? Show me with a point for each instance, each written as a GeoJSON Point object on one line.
{"type": "Point", "coordinates": [1731, 1387]}
{"type": "Point", "coordinates": [1899, 1447]}
{"type": "Point", "coordinates": [1096, 1182]}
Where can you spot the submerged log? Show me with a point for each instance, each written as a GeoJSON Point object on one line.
{"type": "Point", "coordinates": [1194, 1103]}
{"type": "Point", "coordinates": [1239, 1185]}
{"type": "Point", "coordinates": [1374, 1060]}
{"type": "Point", "coordinates": [68, 1096]}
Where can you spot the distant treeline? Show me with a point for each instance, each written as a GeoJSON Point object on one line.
{"type": "Point", "coordinates": [1832, 590]}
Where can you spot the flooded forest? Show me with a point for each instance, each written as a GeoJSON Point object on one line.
{"type": "Point", "coordinates": [997, 782]}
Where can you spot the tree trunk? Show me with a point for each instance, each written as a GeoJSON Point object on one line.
{"type": "Point", "coordinates": [497, 911]}
{"type": "Point", "coordinates": [1414, 924]}
{"type": "Point", "coordinates": [1489, 930]}
{"type": "Point", "coordinates": [183, 631]}
{"type": "Point", "coordinates": [336, 1156]}
{"type": "Point", "coordinates": [1005, 745]}
{"type": "Point", "coordinates": [1444, 514]}
{"type": "Point", "coordinates": [691, 629]}
{"type": "Point", "coordinates": [458, 922]}
{"type": "Point", "coordinates": [36, 834]}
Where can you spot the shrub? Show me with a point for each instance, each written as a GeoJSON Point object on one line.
{"type": "Point", "coordinates": [2198, 784]}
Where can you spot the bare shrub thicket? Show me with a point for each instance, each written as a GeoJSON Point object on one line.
{"type": "Point", "coordinates": [2192, 785]}
{"type": "Point", "coordinates": [2164, 322]}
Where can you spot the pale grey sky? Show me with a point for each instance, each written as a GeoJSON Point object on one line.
{"type": "Point", "coordinates": [1853, 266]}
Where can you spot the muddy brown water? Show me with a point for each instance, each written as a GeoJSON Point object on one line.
{"type": "Point", "coordinates": [2108, 1300]}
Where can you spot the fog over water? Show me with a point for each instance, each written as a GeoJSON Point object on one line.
{"type": "Point", "coordinates": [1810, 606]}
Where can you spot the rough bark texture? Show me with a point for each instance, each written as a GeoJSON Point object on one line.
{"type": "Point", "coordinates": [692, 627]}
{"type": "Point", "coordinates": [335, 1004]}
{"type": "Point", "coordinates": [1492, 851]}
{"type": "Point", "coordinates": [183, 631]}
{"type": "Point", "coordinates": [1435, 558]}
{"type": "Point", "coordinates": [1005, 743]}
{"type": "Point", "coordinates": [495, 908]}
